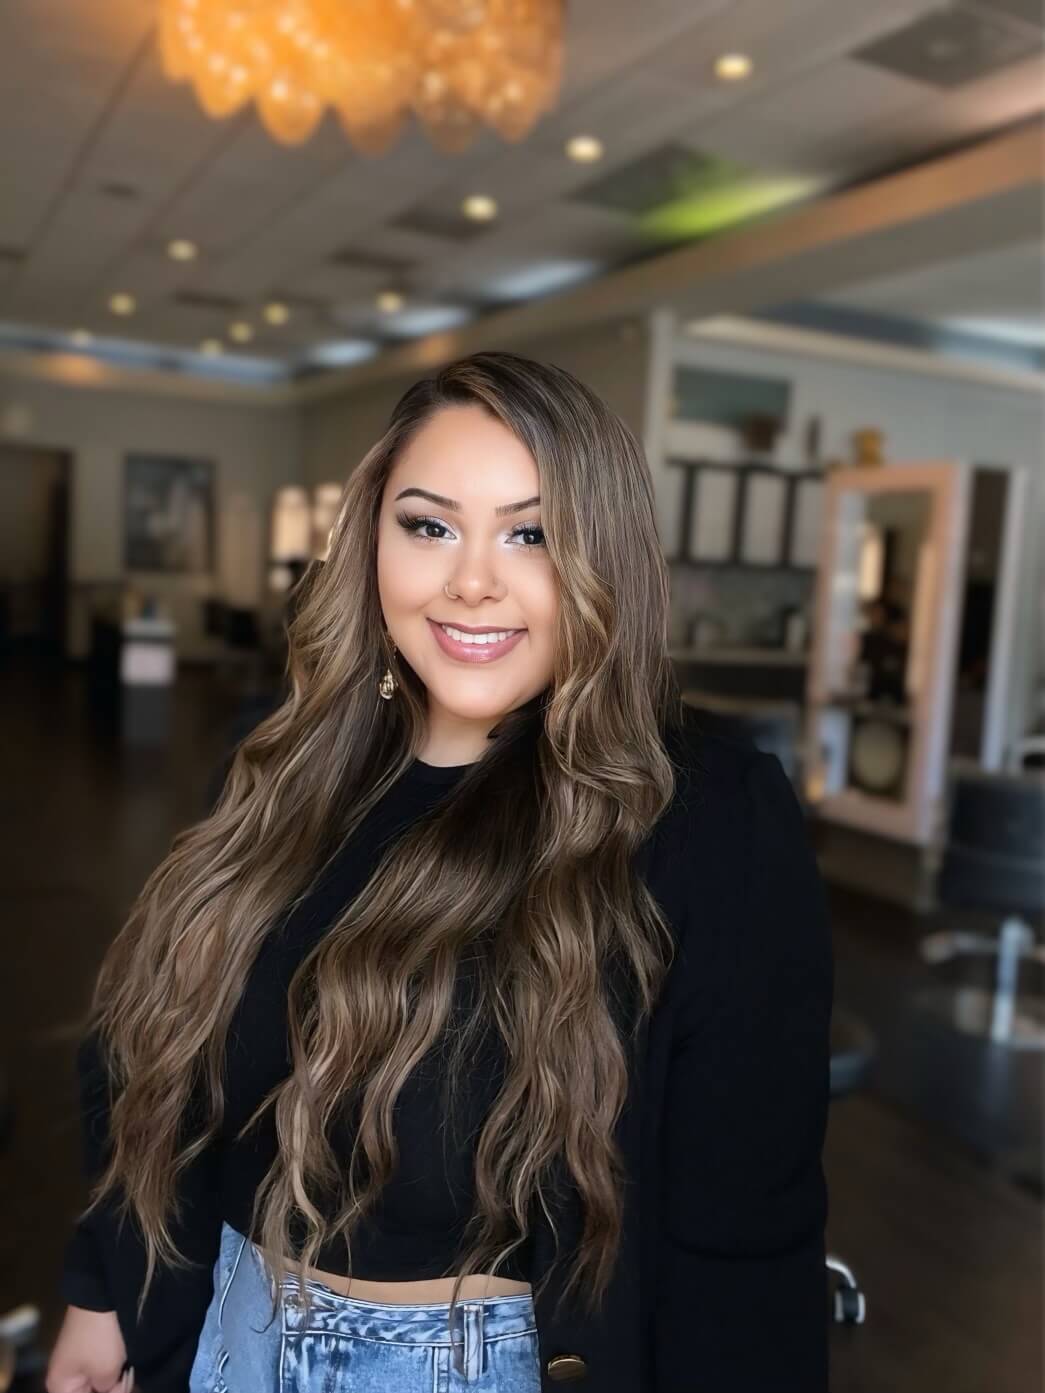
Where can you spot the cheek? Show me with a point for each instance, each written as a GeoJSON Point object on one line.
{"type": "Point", "coordinates": [402, 578]}
{"type": "Point", "coordinates": [543, 609]}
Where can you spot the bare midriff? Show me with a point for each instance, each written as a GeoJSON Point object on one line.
{"type": "Point", "coordinates": [434, 1289]}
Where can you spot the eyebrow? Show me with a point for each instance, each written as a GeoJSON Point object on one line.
{"type": "Point", "coordinates": [455, 507]}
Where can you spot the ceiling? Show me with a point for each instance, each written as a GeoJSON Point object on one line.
{"type": "Point", "coordinates": [994, 294]}
{"type": "Point", "coordinates": [987, 305]}
{"type": "Point", "coordinates": [105, 161]}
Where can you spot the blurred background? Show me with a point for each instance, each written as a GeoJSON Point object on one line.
{"type": "Point", "coordinates": [797, 246]}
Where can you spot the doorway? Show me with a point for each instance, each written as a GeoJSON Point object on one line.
{"type": "Point", "coordinates": [34, 549]}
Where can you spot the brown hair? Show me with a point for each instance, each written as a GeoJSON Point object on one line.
{"type": "Point", "coordinates": [527, 861]}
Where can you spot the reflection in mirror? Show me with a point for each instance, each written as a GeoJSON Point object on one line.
{"type": "Point", "coordinates": [890, 562]}
{"type": "Point", "coordinates": [883, 581]}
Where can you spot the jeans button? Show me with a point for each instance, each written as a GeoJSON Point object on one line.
{"type": "Point", "coordinates": [564, 1367]}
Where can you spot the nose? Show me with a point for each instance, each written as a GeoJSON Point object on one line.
{"type": "Point", "coordinates": [474, 582]}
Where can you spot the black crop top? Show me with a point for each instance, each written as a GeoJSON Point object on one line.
{"type": "Point", "coordinates": [416, 1226]}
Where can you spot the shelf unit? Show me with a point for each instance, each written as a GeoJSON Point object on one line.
{"type": "Point", "coordinates": [745, 476]}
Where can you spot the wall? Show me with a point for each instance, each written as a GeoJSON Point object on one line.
{"type": "Point", "coordinates": [256, 448]}
{"type": "Point", "coordinates": [611, 360]}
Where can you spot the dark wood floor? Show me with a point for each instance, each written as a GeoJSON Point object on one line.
{"type": "Point", "coordinates": [934, 1171]}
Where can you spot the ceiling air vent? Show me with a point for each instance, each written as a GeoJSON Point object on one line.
{"type": "Point", "coordinates": [200, 300]}
{"type": "Point", "coordinates": [114, 189]}
{"type": "Point", "coordinates": [953, 46]}
{"type": "Point", "coordinates": [659, 177]}
{"type": "Point", "coordinates": [450, 225]}
{"type": "Point", "coordinates": [353, 260]}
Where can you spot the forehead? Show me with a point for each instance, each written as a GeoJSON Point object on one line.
{"type": "Point", "coordinates": [464, 450]}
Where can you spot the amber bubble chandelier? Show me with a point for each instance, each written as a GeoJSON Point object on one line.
{"type": "Point", "coordinates": [456, 64]}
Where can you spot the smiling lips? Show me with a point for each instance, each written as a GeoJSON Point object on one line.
{"type": "Point", "coordinates": [483, 651]}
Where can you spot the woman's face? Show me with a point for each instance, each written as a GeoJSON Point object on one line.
{"type": "Point", "coordinates": [459, 468]}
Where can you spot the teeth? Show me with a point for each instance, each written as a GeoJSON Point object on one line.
{"type": "Point", "coordinates": [462, 637]}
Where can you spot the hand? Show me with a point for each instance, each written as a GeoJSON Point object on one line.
{"type": "Point", "coordinates": [88, 1355]}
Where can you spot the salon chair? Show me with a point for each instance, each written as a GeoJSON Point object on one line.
{"type": "Point", "coordinates": [772, 726]}
{"type": "Point", "coordinates": [1025, 754]}
{"type": "Point", "coordinates": [239, 657]}
{"type": "Point", "coordinates": [993, 863]}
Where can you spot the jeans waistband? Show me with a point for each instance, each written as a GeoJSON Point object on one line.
{"type": "Point", "coordinates": [476, 1322]}
{"type": "Point", "coordinates": [424, 1323]}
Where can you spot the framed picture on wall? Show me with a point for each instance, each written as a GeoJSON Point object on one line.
{"type": "Point", "coordinates": [168, 514]}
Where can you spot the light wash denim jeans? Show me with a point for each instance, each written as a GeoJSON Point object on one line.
{"type": "Point", "coordinates": [353, 1346]}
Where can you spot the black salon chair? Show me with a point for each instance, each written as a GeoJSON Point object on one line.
{"type": "Point", "coordinates": [772, 726]}
{"type": "Point", "coordinates": [994, 863]}
{"type": "Point", "coordinates": [239, 658]}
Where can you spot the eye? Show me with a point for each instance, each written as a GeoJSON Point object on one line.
{"type": "Point", "coordinates": [528, 527]}
{"type": "Point", "coordinates": [415, 522]}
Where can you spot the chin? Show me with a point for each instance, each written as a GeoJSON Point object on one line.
{"type": "Point", "coordinates": [482, 706]}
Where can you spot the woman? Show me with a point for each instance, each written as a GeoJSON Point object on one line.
{"type": "Point", "coordinates": [479, 1036]}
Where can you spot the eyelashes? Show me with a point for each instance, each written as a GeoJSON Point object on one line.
{"type": "Point", "coordinates": [413, 522]}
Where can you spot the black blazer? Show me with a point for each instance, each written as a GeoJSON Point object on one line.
{"type": "Point", "coordinates": [720, 1284]}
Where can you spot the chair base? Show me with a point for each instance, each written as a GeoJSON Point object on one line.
{"type": "Point", "coordinates": [974, 1011]}
{"type": "Point", "coordinates": [850, 1305]}
{"type": "Point", "coordinates": [1005, 1015]}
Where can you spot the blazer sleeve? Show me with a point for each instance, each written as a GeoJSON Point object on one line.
{"type": "Point", "coordinates": [742, 1296]}
{"type": "Point", "coordinates": [83, 1280]}
{"type": "Point", "coordinates": [105, 1258]}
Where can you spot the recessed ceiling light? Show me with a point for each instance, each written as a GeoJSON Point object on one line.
{"type": "Point", "coordinates": [276, 313]}
{"type": "Point", "coordinates": [80, 337]}
{"type": "Point", "coordinates": [480, 207]}
{"type": "Point", "coordinates": [212, 347]}
{"type": "Point", "coordinates": [584, 148]}
{"type": "Point", "coordinates": [122, 303]}
{"type": "Point", "coordinates": [241, 332]}
{"type": "Point", "coordinates": [733, 67]}
{"type": "Point", "coordinates": [181, 250]}
{"type": "Point", "coordinates": [388, 301]}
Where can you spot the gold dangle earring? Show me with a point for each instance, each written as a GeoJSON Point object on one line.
{"type": "Point", "coordinates": [388, 684]}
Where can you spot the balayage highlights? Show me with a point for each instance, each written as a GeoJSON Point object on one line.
{"type": "Point", "coordinates": [524, 864]}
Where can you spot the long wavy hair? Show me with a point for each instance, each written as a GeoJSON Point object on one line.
{"type": "Point", "coordinates": [526, 863]}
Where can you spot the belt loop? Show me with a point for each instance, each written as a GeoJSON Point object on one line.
{"type": "Point", "coordinates": [473, 1344]}
{"type": "Point", "coordinates": [469, 1362]}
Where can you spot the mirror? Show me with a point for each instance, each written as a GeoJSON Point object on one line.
{"type": "Point", "coordinates": [885, 644]}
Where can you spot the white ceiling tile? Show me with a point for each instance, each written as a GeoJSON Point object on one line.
{"type": "Point", "coordinates": [1006, 282]}
{"type": "Point", "coordinates": [844, 93]}
{"type": "Point", "coordinates": [759, 146]}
